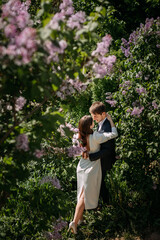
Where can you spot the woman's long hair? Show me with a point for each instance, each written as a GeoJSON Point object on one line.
{"type": "Point", "coordinates": [84, 130]}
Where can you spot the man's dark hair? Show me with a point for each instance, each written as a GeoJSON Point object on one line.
{"type": "Point", "coordinates": [97, 107]}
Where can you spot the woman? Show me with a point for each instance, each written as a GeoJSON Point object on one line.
{"type": "Point", "coordinates": [89, 173]}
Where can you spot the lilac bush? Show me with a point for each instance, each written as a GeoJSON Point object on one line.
{"type": "Point", "coordinates": [134, 183]}
{"type": "Point", "coordinates": [44, 62]}
{"type": "Point", "coordinates": [38, 67]}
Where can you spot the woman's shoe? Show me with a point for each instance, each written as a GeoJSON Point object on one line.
{"type": "Point", "coordinates": [80, 221]}
{"type": "Point", "coordinates": [73, 228]}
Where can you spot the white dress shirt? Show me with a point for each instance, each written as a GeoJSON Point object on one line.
{"type": "Point", "coordinates": [100, 124]}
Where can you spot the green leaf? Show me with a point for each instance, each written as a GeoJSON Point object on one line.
{"type": "Point", "coordinates": [47, 20]}
{"type": "Point", "coordinates": [68, 132]}
{"type": "Point", "coordinates": [45, 33]}
{"type": "Point", "coordinates": [54, 87]}
{"type": "Point", "coordinates": [50, 121]}
{"type": "Point", "coordinates": [81, 76]}
{"type": "Point", "coordinates": [98, 9]}
{"type": "Point", "coordinates": [92, 25]}
{"type": "Point", "coordinates": [103, 12]}
{"type": "Point", "coordinates": [129, 153]}
{"type": "Point", "coordinates": [56, 81]}
{"type": "Point", "coordinates": [7, 160]}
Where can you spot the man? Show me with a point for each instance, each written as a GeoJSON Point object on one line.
{"type": "Point", "coordinates": [107, 150]}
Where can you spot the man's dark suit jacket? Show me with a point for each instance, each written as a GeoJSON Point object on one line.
{"type": "Point", "coordinates": [107, 156]}
{"type": "Point", "coordinates": [107, 150]}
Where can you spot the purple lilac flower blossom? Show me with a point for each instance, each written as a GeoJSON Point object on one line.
{"type": "Point", "coordinates": [72, 128]}
{"type": "Point", "coordinates": [54, 23]}
{"type": "Point", "coordinates": [102, 47]}
{"type": "Point", "coordinates": [74, 151]}
{"type": "Point", "coordinates": [146, 77]}
{"type": "Point", "coordinates": [141, 90]}
{"type": "Point", "coordinates": [154, 105]}
{"type": "Point", "coordinates": [137, 111]}
{"type": "Point", "coordinates": [139, 74]}
{"type": "Point", "coordinates": [124, 92]}
{"type": "Point", "coordinates": [16, 13]}
{"type": "Point", "coordinates": [62, 126]}
{"type": "Point", "coordinates": [107, 62]}
{"type": "Point", "coordinates": [38, 153]}
{"type": "Point", "coordinates": [22, 142]}
{"type": "Point", "coordinates": [76, 20]}
{"type": "Point", "coordinates": [134, 36]}
{"type": "Point", "coordinates": [19, 104]}
{"type": "Point", "coordinates": [63, 45]}
{"type": "Point", "coordinates": [112, 102]}
{"type": "Point", "coordinates": [10, 30]}
{"type": "Point", "coordinates": [60, 224]}
{"type": "Point", "coordinates": [65, 4]}
{"type": "Point", "coordinates": [125, 48]}
{"type": "Point", "coordinates": [54, 50]}
{"type": "Point", "coordinates": [57, 227]}
{"type": "Point", "coordinates": [17, 27]}
{"type": "Point", "coordinates": [70, 86]}
{"type": "Point", "coordinates": [128, 110]}
{"type": "Point", "coordinates": [125, 84]}
{"type": "Point", "coordinates": [108, 95]}
{"type": "Point", "coordinates": [48, 235]}
{"type": "Point", "coordinates": [75, 139]}
{"type": "Point", "coordinates": [66, 7]}
{"type": "Point", "coordinates": [54, 181]}
{"type": "Point", "coordinates": [27, 39]}
{"type": "Point", "coordinates": [100, 70]}
{"type": "Point", "coordinates": [148, 24]}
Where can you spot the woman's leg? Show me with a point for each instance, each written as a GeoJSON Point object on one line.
{"type": "Point", "coordinates": [79, 209]}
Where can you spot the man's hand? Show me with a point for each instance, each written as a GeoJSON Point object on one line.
{"type": "Point", "coordinates": [85, 154]}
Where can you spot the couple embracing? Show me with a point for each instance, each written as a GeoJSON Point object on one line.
{"type": "Point", "coordinates": [93, 165]}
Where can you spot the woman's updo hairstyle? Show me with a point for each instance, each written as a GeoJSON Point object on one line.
{"type": "Point", "coordinates": [84, 129]}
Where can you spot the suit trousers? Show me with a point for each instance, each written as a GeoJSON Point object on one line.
{"type": "Point", "coordinates": [104, 193]}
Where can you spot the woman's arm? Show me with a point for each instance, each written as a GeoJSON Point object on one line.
{"type": "Point", "coordinates": [104, 137]}
{"type": "Point", "coordinates": [101, 138]}
{"type": "Point", "coordinates": [103, 152]}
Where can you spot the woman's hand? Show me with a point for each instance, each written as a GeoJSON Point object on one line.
{"type": "Point", "coordinates": [85, 154]}
{"type": "Point", "coordinates": [110, 119]}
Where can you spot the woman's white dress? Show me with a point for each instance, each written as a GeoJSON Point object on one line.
{"type": "Point", "coordinates": [89, 172]}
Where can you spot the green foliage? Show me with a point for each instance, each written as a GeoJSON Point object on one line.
{"type": "Point", "coordinates": [34, 76]}
{"type": "Point", "coordinates": [122, 17]}
{"type": "Point", "coordinates": [108, 22]}
{"type": "Point", "coordinates": [30, 205]}
{"type": "Point", "coordinates": [37, 82]}
{"type": "Point", "coordinates": [101, 86]}
{"type": "Point", "coordinates": [134, 184]}
{"type": "Point", "coordinates": [32, 211]}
